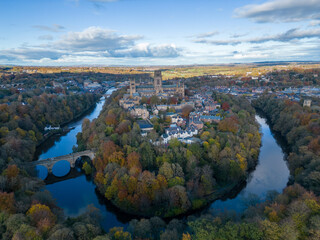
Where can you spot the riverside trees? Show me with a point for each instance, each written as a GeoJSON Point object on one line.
{"type": "Point", "coordinates": [300, 126]}
{"type": "Point", "coordinates": [27, 212]}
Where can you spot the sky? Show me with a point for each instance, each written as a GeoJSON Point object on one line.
{"type": "Point", "coordinates": [157, 32]}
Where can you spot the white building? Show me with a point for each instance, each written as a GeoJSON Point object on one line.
{"type": "Point", "coordinates": [307, 103]}
{"type": "Point", "coordinates": [49, 128]}
{"type": "Point", "coordinates": [176, 132]}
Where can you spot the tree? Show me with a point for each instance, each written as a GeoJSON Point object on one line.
{"type": "Point", "coordinates": [41, 216]}
{"type": "Point", "coordinates": [186, 110]}
{"type": "Point", "coordinates": [87, 168]}
{"type": "Point", "coordinates": [123, 127]}
{"type": "Point", "coordinates": [7, 202]}
{"type": "Point", "coordinates": [12, 171]}
{"type": "Point", "coordinates": [133, 160]}
{"type": "Point", "coordinates": [111, 119]}
{"type": "Point", "coordinates": [228, 125]}
{"type": "Point", "coordinates": [154, 100]}
{"type": "Point", "coordinates": [117, 233]}
{"type": "Point", "coordinates": [225, 106]}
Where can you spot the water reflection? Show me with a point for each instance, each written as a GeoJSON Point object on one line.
{"type": "Point", "coordinates": [42, 172]}
{"type": "Point", "coordinates": [74, 195]}
{"type": "Point", "coordinates": [61, 168]}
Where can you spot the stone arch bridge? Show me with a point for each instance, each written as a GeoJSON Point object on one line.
{"type": "Point", "coordinates": [71, 158]}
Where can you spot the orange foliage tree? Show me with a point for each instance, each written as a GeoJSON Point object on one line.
{"type": "Point", "coordinates": [228, 125]}
{"type": "Point", "coordinates": [7, 202]}
{"type": "Point", "coordinates": [12, 171]}
{"type": "Point", "coordinates": [41, 216]}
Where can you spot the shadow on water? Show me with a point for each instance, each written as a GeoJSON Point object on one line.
{"type": "Point", "coordinates": [52, 179]}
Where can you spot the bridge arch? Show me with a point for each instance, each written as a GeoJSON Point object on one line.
{"type": "Point", "coordinates": [71, 158]}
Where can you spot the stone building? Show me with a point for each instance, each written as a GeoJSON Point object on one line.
{"type": "Point", "coordinates": [140, 112]}
{"type": "Point", "coordinates": [157, 88]}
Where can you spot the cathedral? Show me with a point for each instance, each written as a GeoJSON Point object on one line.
{"type": "Point", "coordinates": [157, 88]}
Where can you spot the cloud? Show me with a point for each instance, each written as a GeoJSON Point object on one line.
{"type": "Point", "coordinates": [96, 39]}
{"type": "Point", "coordinates": [46, 37]}
{"type": "Point", "coordinates": [207, 34]}
{"type": "Point", "coordinates": [238, 35]}
{"type": "Point", "coordinates": [53, 28]}
{"type": "Point", "coordinates": [93, 42]}
{"type": "Point", "coordinates": [281, 11]}
{"type": "Point", "coordinates": [292, 34]}
{"type": "Point", "coordinates": [314, 23]}
{"type": "Point", "coordinates": [147, 50]}
{"type": "Point", "coordinates": [29, 54]}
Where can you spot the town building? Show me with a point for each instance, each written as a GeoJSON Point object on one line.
{"type": "Point", "coordinates": [145, 127]}
{"type": "Point", "coordinates": [176, 132]}
{"type": "Point", "coordinates": [140, 112]}
{"type": "Point", "coordinates": [307, 103]}
{"type": "Point", "coordinates": [210, 118]}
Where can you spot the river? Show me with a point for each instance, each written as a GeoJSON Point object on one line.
{"type": "Point", "coordinates": [271, 173]}
{"type": "Point", "coordinates": [75, 194]}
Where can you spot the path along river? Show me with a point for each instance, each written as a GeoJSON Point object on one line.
{"type": "Point", "coordinates": [75, 194]}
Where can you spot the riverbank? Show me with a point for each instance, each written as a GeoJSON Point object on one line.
{"type": "Point", "coordinates": [300, 127]}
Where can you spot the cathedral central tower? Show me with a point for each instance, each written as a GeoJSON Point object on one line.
{"type": "Point", "coordinates": [157, 81]}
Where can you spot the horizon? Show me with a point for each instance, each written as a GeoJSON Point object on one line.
{"type": "Point", "coordinates": [263, 63]}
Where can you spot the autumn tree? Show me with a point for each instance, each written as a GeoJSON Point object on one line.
{"type": "Point", "coordinates": [41, 216]}
{"type": "Point", "coordinates": [186, 110]}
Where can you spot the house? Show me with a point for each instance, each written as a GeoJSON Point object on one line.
{"type": "Point", "coordinates": [93, 85]}
{"type": "Point", "coordinates": [210, 118]}
{"type": "Point", "coordinates": [127, 101]}
{"type": "Point", "coordinates": [145, 127]}
{"type": "Point", "coordinates": [176, 132]}
{"type": "Point", "coordinates": [49, 128]}
{"type": "Point", "coordinates": [195, 121]}
{"type": "Point", "coordinates": [307, 103]}
{"type": "Point", "coordinates": [209, 106]}
{"type": "Point", "coordinates": [86, 83]}
{"type": "Point", "coordinates": [56, 84]}
{"type": "Point", "coordinates": [178, 120]}
{"type": "Point", "coordinates": [140, 112]}
{"type": "Point", "coordinates": [155, 111]}
{"type": "Point", "coordinates": [162, 107]}
{"type": "Point", "coordinates": [127, 104]}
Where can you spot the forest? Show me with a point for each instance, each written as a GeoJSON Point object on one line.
{"type": "Point", "coordinates": [22, 125]}
{"type": "Point", "coordinates": [26, 211]}
{"type": "Point", "coordinates": [149, 180]}
{"type": "Point", "coordinates": [300, 126]}
{"type": "Point", "coordinates": [294, 214]}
